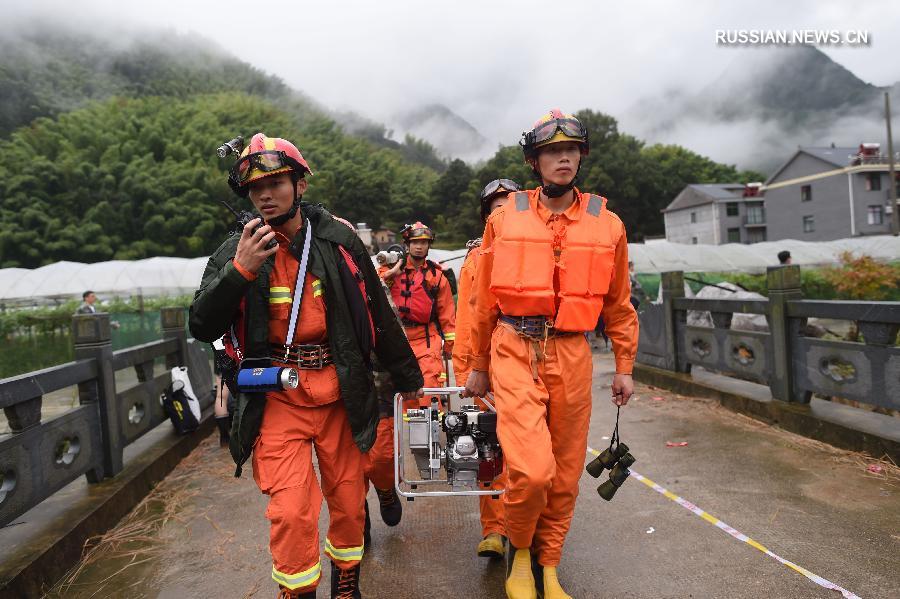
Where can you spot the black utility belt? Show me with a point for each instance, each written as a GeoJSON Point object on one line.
{"type": "Point", "coordinates": [534, 327]}
{"type": "Point", "coordinates": [303, 356]}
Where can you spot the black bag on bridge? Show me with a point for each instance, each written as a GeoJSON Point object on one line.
{"type": "Point", "coordinates": [175, 405]}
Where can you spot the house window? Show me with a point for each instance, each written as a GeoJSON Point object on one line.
{"type": "Point", "coordinates": [873, 182]}
{"type": "Point", "coordinates": [809, 224]}
{"type": "Point", "coordinates": [734, 235]}
{"type": "Point", "coordinates": [694, 240]}
{"type": "Point", "coordinates": [756, 214]}
{"type": "Point", "coordinates": [806, 193]}
{"type": "Point", "coordinates": [731, 209]}
{"type": "Point", "coordinates": [693, 217]}
{"type": "Point", "coordinates": [757, 235]}
{"type": "Point", "coordinates": [875, 215]}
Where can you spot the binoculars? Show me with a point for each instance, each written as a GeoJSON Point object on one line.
{"type": "Point", "coordinates": [617, 461]}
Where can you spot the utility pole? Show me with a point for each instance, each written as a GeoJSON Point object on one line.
{"type": "Point", "coordinates": [895, 217]}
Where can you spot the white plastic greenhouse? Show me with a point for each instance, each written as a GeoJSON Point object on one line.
{"type": "Point", "coordinates": [164, 276]}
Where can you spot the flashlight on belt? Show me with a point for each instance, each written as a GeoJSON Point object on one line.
{"type": "Point", "coordinates": [272, 378]}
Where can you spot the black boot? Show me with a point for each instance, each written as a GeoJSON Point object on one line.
{"type": "Point", "coordinates": [224, 424]}
{"type": "Point", "coordinates": [345, 583]}
{"type": "Point", "coordinates": [391, 508]}
{"type": "Point", "coordinates": [537, 571]}
{"type": "Point", "coordinates": [367, 530]}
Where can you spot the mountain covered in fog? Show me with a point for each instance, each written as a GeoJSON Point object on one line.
{"type": "Point", "coordinates": [118, 135]}
{"type": "Point", "coordinates": [450, 134]}
{"type": "Point", "coordinates": [47, 70]}
{"type": "Point", "coordinates": [769, 101]}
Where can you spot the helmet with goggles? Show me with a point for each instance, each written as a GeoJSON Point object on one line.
{"type": "Point", "coordinates": [265, 156]}
{"type": "Point", "coordinates": [492, 190]}
{"type": "Point", "coordinates": [416, 231]}
{"type": "Point", "coordinates": [554, 127]}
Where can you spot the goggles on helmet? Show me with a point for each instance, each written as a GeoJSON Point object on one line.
{"type": "Point", "coordinates": [499, 185]}
{"type": "Point", "coordinates": [410, 233]}
{"type": "Point", "coordinates": [265, 161]}
{"type": "Point", "coordinates": [545, 131]}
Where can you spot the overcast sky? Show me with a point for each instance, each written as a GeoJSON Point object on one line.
{"type": "Point", "coordinates": [497, 63]}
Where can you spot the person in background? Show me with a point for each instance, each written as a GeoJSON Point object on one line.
{"type": "Point", "coordinates": [638, 294]}
{"type": "Point", "coordinates": [421, 291]}
{"type": "Point", "coordinates": [784, 257]}
{"type": "Point", "coordinates": [88, 299]}
{"type": "Point", "coordinates": [494, 195]}
{"type": "Point", "coordinates": [223, 368]}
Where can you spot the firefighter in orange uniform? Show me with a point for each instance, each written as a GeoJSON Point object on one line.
{"type": "Point", "coordinates": [424, 301]}
{"type": "Point", "coordinates": [552, 261]}
{"type": "Point", "coordinates": [302, 302]}
{"type": "Point", "coordinates": [492, 197]}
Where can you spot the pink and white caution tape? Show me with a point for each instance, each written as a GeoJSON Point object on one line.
{"type": "Point", "coordinates": [737, 534]}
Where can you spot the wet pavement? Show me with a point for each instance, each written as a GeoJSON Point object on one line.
{"type": "Point", "coordinates": [203, 533]}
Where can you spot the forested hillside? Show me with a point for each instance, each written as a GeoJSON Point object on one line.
{"type": "Point", "coordinates": [108, 153]}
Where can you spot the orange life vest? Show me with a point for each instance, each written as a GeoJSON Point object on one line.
{"type": "Point", "coordinates": [414, 296]}
{"type": "Point", "coordinates": [524, 264]}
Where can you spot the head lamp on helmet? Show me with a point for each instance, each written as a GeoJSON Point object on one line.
{"type": "Point", "coordinates": [416, 231]}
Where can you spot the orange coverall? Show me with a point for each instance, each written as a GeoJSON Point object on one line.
{"type": "Point", "coordinates": [491, 509]}
{"type": "Point", "coordinates": [543, 388]}
{"type": "Point", "coordinates": [294, 422]}
{"type": "Point", "coordinates": [425, 341]}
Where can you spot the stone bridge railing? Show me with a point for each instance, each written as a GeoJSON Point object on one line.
{"type": "Point", "coordinates": [791, 363]}
{"type": "Point", "coordinates": [39, 458]}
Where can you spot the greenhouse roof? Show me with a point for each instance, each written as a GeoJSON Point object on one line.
{"type": "Point", "coordinates": [165, 276]}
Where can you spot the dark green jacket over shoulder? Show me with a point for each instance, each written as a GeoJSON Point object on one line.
{"type": "Point", "coordinates": [217, 304]}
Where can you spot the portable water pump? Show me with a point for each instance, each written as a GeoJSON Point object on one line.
{"type": "Point", "coordinates": [463, 443]}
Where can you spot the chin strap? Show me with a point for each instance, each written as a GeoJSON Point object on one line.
{"type": "Point", "coordinates": [554, 191]}
{"type": "Point", "coordinates": [277, 221]}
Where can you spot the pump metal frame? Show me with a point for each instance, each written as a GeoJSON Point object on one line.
{"type": "Point", "coordinates": [409, 487]}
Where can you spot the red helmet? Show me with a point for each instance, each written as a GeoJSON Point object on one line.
{"type": "Point", "coordinates": [266, 156]}
{"type": "Point", "coordinates": [417, 230]}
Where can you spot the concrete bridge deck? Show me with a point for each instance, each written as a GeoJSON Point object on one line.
{"type": "Point", "coordinates": [203, 533]}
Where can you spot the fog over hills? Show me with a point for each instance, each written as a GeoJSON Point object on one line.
{"type": "Point", "coordinates": [450, 134]}
{"type": "Point", "coordinates": [763, 106]}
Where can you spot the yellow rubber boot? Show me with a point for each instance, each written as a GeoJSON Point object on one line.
{"type": "Point", "coordinates": [552, 590]}
{"type": "Point", "coordinates": [491, 546]}
{"type": "Point", "coordinates": [520, 581]}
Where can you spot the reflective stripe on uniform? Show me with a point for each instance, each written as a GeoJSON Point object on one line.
{"type": "Point", "coordinates": [348, 554]}
{"type": "Point", "coordinates": [449, 336]}
{"type": "Point", "coordinates": [280, 295]}
{"type": "Point", "coordinates": [317, 287]}
{"type": "Point", "coordinates": [300, 579]}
